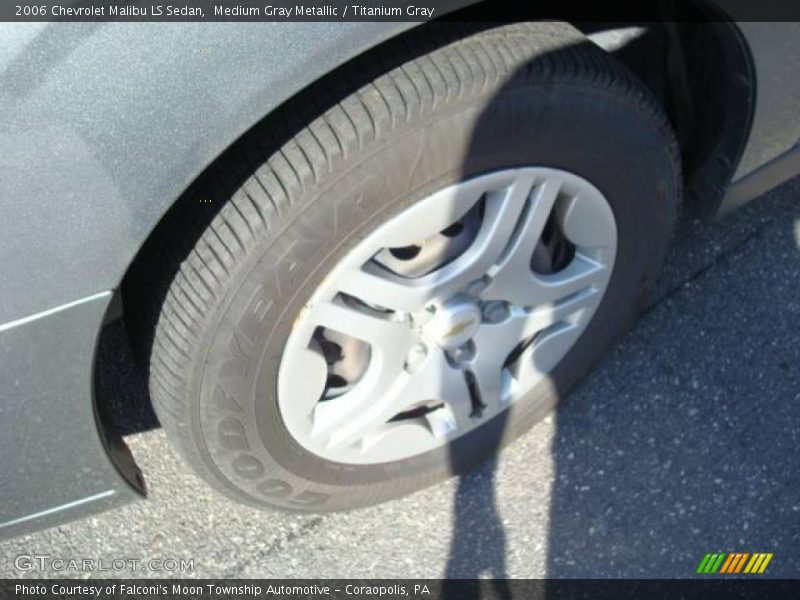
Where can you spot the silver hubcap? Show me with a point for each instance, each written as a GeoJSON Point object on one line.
{"type": "Point", "coordinates": [446, 314]}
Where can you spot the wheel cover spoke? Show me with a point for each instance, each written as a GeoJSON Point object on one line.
{"type": "Point", "coordinates": [448, 349]}
{"type": "Point", "coordinates": [435, 380]}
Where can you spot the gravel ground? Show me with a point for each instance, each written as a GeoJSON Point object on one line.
{"type": "Point", "coordinates": [681, 442]}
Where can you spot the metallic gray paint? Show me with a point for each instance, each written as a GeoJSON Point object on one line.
{"type": "Point", "coordinates": [55, 465]}
{"type": "Point", "coordinates": [105, 125]}
{"type": "Point", "coordinates": [763, 179]}
{"type": "Point", "coordinates": [775, 48]}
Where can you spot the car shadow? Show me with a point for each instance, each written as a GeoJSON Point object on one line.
{"type": "Point", "coordinates": [682, 442]}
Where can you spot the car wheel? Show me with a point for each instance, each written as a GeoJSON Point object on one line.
{"type": "Point", "coordinates": [419, 274]}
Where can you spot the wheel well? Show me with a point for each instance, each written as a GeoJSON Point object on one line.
{"type": "Point", "coordinates": [702, 72]}
{"type": "Point", "coordinates": [709, 105]}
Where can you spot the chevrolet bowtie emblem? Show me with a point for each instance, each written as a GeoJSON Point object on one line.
{"type": "Point", "coordinates": [459, 328]}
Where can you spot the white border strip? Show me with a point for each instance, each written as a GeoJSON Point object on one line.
{"type": "Point", "coordinates": [51, 311]}
{"type": "Point", "coordinates": [56, 509]}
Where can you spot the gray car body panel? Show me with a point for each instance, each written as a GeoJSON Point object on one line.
{"type": "Point", "coordinates": [106, 124]}
{"type": "Point", "coordinates": [56, 464]}
{"type": "Point", "coordinates": [775, 48]}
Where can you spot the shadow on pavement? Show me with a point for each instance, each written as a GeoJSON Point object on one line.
{"type": "Point", "coordinates": [683, 441]}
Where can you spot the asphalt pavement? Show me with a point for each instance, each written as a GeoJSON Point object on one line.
{"type": "Point", "coordinates": [683, 441]}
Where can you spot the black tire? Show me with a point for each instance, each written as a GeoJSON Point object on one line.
{"type": "Point", "coordinates": [530, 94]}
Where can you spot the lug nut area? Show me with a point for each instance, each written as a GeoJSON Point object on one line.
{"type": "Point", "coordinates": [495, 311]}
{"type": "Point", "coordinates": [461, 355]}
{"type": "Point", "coordinates": [416, 356]}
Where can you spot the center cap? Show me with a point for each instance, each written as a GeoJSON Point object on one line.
{"type": "Point", "coordinates": [454, 323]}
